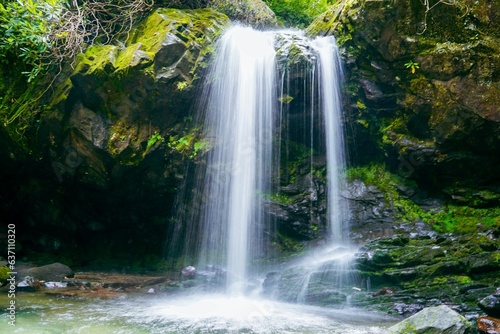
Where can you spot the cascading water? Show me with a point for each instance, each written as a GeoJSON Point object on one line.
{"type": "Point", "coordinates": [330, 72]}
{"type": "Point", "coordinates": [239, 123]}
{"type": "Point", "coordinates": [244, 118]}
{"type": "Point", "coordinates": [328, 270]}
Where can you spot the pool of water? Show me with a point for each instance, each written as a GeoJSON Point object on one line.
{"type": "Point", "coordinates": [40, 313]}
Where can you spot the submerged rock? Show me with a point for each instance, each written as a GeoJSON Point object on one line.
{"type": "Point", "coordinates": [433, 320]}
{"type": "Point", "coordinates": [28, 284]}
{"type": "Point", "coordinates": [188, 272]}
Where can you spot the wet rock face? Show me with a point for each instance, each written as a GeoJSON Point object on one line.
{"type": "Point", "coordinates": [371, 216]}
{"type": "Point", "coordinates": [106, 155]}
{"type": "Point", "coordinates": [424, 90]}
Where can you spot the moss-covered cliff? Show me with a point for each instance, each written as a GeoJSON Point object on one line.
{"type": "Point", "coordinates": [113, 132]}
{"type": "Point", "coordinates": [424, 89]}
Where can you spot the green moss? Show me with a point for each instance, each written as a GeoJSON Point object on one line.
{"type": "Point", "coordinates": [278, 198]}
{"type": "Point", "coordinates": [451, 218]}
{"type": "Point", "coordinates": [464, 219]}
{"type": "Point", "coordinates": [4, 274]}
{"type": "Point", "coordinates": [190, 145]}
{"type": "Point", "coordinates": [288, 246]}
{"type": "Point", "coordinates": [96, 59]}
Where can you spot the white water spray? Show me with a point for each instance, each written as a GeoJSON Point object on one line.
{"type": "Point", "coordinates": [239, 121]}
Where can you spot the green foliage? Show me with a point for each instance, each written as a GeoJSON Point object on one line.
{"type": "Point", "coordinates": [155, 138]}
{"type": "Point", "coordinates": [412, 65]}
{"type": "Point", "coordinates": [25, 26]}
{"type": "Point", "coordinates": [182, 85]}
{"type": "Point", "coordinates": [278, 198]}
{"type": "Point", "coordinates": [189, 145]}
{"type": "Point", "coordinates": [4, 274]}
{"type": "Point", "coordinates": [40, 33]}
{"type": "Point", "coordinates": [298, 13]}
{"type": "Point", "coordinates": [465, 219]}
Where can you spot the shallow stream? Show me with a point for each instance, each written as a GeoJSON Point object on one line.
{"type": "Point", "coordinates": [40, 314]}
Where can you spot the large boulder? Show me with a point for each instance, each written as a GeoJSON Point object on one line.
{"type": "Point", "coordinates": [433, 320]}
{"type": "Point", "coordinates": [254, 12]}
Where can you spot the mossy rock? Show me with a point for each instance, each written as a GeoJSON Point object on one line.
{"type": "Point", "coordinates": [253, 12]}
{"type": "Point", "coordinates": [140, 88]}
{"type": "Point", "coordinates": [426, 88]}
{"type": "Point", "coordinates": [98, 142]}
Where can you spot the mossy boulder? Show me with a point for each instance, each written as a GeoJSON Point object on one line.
{"type": "Point", "coordinates": [118, 97]}
{"type": "Point", "coordinates": [433, 320]}
{"type": "Point", "coordinates": [423, 85]}
{"type": "Point", "coordinates": [254, 12]}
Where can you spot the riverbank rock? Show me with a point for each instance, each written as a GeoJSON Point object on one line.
{"type": "Point", "coordinates": [55, 272]}
{"type": "Point", "coordinates": [491, 304]}
{"type": "Point", "coordinates": [424, 271]}
{"type": "Point", "coordinates": [433, 320]}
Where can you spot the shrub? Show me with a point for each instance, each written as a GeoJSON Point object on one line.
{"type": "Point", "coordinates": [298, 13]}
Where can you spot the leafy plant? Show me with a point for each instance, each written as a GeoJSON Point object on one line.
{"type": "Point", "coordinates": [278, 198]}
{"type": "Point", "coordinates": [182, 85]}
{"type": "Point", "coordinates": [299, 13]}
{"type": "Point", "coordinates": [40, 33]}
{"type": "Point", "coordinates": [189, 145]}
{"type": "Point", "coordinates": [155, 138]}
{"type": "Point", "coordinates": [25, 27]}
{"type": "Point", "coordinates": [412, 66]}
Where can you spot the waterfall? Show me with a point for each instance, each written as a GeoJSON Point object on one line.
{"type": "Point", "coordinates": [330, 70]}
{"type": "Point", "coordinates": [245, 119]}
{"type": "Point", "coordinates": [239, 122]}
